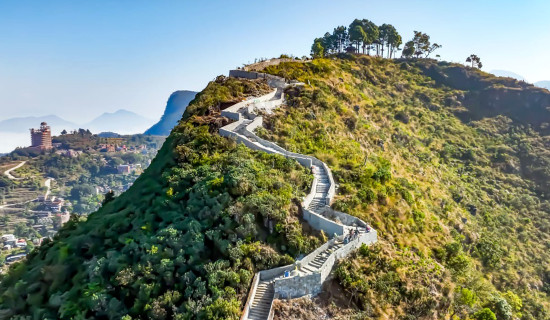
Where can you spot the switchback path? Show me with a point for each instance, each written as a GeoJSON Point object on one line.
{"type": "Point", "coordinates": [307, 275]}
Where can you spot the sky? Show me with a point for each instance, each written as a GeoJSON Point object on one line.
{"type": "Point", "coordinates": [78, 59]}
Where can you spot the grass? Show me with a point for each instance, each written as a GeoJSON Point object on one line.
{"type": "Point", "coordinates": [448, 179]}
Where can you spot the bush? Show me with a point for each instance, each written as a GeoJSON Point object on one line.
{"type": "Point", "coordinates": [485, 314]}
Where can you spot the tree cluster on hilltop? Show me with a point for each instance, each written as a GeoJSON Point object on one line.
{"type": "Point", "coordinates": [364, 36]}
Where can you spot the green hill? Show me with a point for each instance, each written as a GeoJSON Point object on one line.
{"type": "Point", "coordinates": [448, 163]}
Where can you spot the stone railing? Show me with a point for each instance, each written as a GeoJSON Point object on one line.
{"type": "Point", "coordinates": [333, 223]}
{"type": "Point", "coordinates": [312, 283]}
{"type": "Point", "coordinates": [250, 297]}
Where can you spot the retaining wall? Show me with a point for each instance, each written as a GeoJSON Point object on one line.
{"type": "Point", "coordinates": [312, 283]}
{"type": "Point", "coordinates": [298, 286]}
{"type": "Point", "coordinates": [233, 111]}
{"type": "Point", "coordinates": [319, 222]}
{"type": "Point", "coordinates": [272, 81]}
{"type": "Point", "coordinates": [344, 218]}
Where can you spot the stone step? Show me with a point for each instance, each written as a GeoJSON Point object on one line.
{"type": "Point", "coordinates": [308, 268]}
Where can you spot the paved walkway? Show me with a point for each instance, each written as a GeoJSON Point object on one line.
{"type": "Point", "coordinates": [309, 273]}
{"type": "Point", "coordinates": [7, 173]}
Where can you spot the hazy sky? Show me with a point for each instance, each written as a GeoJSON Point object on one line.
{"type": "Point", "coordinates": [78, 59]}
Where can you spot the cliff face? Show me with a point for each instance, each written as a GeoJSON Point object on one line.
{"type": "Point", "coordinates": [449, 164]}
{"type": "Point", "coordinates": [175, 107]}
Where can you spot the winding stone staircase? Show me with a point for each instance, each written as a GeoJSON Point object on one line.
{"type": "Point", "coordinates": [307, 275]}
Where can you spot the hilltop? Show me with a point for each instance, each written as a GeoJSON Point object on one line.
{"type": "Point", "coordinates": [447, 162]}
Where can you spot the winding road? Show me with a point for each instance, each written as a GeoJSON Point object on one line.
{"type": "Point", "coordinates": [47, 184]}
{"type": "Point", "coordinates": [7, 173]}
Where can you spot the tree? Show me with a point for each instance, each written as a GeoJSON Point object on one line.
{"type": "Point", "coordinates": [317, 49]}
{"type": "Point", "coordinates": [408, 50]}
{"type": "Point", "coordinates": [485, 314]}
{"type": "Point", "coordinates": [371, 34]}
{"type": "Point", "coordinates": [340, 35]}
{"type": "Point", "coordinates": [382, 38]}
{"type": "Point", "coordinates": [109, 196]}
{"type": "Point", "coordinates": [393, 39]}
{"type": "Point", "coordinates": [357, 35]}
{"type": "Point", "coordinates": [64, 132]}
{"type": "Point", "coordinates": [475, 61]}
{"type": "Point", "coordinates": [329, 43]}
{"type": "Point", "coordinates": [420, 45]}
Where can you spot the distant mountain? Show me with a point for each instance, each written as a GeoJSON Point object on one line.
{"type": "Point", "coordinates": [543, 84]}
{"type": "Point", "coordinates": [23, 124]}
{"type": "Point", "coordinates": [506, 73]}
{"type": "Point", "coordinates": [176, 105]}
{"type": "Point", "coordinates": [121, 122]}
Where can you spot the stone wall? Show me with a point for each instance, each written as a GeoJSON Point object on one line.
{"type": "Point", "coordinates": [298, 286]}
{"type": "Point", "coordinates": [264, 64]}
{"type": "Point", "coordinates": [319, 222]}
{"type": "Point", "coordinates": [232, 111]}
{"type": "Point", "coordinates": [273, 81]}
{"type": "Point", "coordinates": [312, 283]}
{"type": "Point", "coordinates": [250, 298]}
{"type": "Point", "coordinates": [344, 218]}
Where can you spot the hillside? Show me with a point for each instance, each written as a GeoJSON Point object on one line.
{"type": "Point", "coordinates": [448, 163]}
{"type": "Point", "coordinates": [466, 206]}
{"type": "Point", "coordinates": [175, 107]}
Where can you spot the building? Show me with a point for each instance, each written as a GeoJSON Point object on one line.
{"type": "Point", "coordinates": [128, 168]}
{"type": "Point", "coordinates": [54, 204]}
{"type": "Point", "coordinates": [8, 237]}
{"type": "Point", "coordinates": [41, 138]}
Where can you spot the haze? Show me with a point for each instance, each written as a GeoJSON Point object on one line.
{"type": "Point", "coordinates": [80, 59]}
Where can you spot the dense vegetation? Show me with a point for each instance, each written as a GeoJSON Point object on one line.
{"type": "Point", "coordinates": [183, 242]}
{"type": "Point", "coordinates": [450, 164]}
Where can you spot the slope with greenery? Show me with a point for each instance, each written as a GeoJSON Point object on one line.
{"type": "Point", "coordinates": [184, 241]}
{"type": "Point", "coordinates": [448, 163]}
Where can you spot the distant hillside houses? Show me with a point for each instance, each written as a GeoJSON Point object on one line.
{"type": "Point", "coordinates": [121, 148]}
{"type": "Point", "coordinates": [128, 168]}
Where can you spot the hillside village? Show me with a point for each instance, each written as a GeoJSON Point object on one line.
{"type": "Point", "coordinates": [43, 185]}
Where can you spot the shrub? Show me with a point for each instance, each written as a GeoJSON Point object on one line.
{"type": "Point", "coordinates": [485, 314]}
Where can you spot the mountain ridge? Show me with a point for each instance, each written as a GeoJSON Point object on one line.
{"type": "Point", "coordinates": [453, 181]}
{"type": "Point", "coordinates": [175, 107]}
{"type": "Point", "coordinates": [111, 122]}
